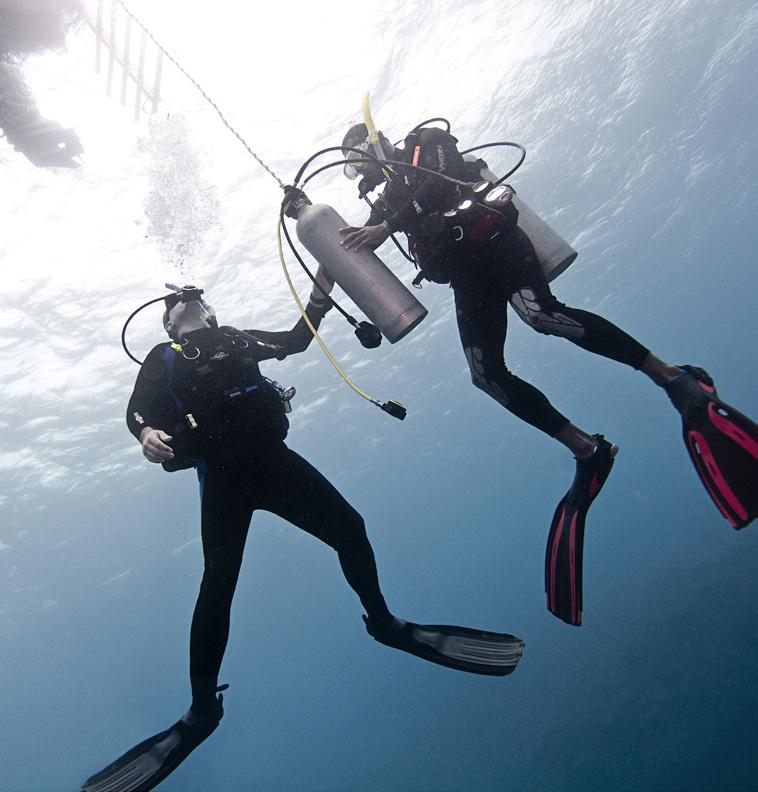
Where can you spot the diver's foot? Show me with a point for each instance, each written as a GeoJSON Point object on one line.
{"type": "Point", "coordinates": [593, 470]}
{"type": "Point", "coordinates": [374, 628]}
{"type": "Point", "coordinates": [591, 449]}
{"type": "Point", "coordinates": [692, 386]}
{"type": "Point", "coordinates": [196, 727]}
{"type": "Point", "coordinates": [206, 702]}
{"type": "Point", "coordinates": [460, 648]}
{"type": "Point", "coordinates": [604, 447]}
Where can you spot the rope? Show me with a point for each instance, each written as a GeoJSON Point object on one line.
{"type": "Point", "coordinates": [202, 93]}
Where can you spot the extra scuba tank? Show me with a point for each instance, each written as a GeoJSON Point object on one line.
{"type": "Point", "coordinates": [554, 253]}
{"type": "Point", "coordinates": [360, 273]}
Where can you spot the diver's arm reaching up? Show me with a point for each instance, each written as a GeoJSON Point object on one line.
{"type": "Point", "coordinates": [279, 344]}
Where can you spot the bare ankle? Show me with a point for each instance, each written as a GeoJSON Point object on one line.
{"type": "Point", "coordinates": [659, 371]}
{"type": "Point", "coordinates": [581, 444]}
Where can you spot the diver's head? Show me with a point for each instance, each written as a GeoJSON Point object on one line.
{"type": "Point", "coordinates": [187, 311]}
{"type": "Point", "coordinates": [357, 137]}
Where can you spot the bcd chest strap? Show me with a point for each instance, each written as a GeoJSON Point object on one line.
{"type": "Point", "coordinates": [169, 362]}
{"type": "Point", "coordinates": [170, 354]}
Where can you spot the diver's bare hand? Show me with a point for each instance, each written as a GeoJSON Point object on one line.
{"type": "Point", "coordinates": [368, 236]}
{"type": "Point", "coordinates": [154, 445]}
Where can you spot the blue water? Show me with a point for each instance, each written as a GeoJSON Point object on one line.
{"type": "Point", "coordinates": [639, 120]}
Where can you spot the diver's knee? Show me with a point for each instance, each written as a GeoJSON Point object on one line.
{"type": "Point", "coordinates": [349, 534]}
{"type": "Point", "coordinates": [477, 368]}
{"type": "Point", "coordinates": [480, 380]}
{"type": "Point", "coordinates": [535, 320]}
{"type": "Point", "coordinates": [532, 308]}
{"type": "Point", "coordinates": [221, 566]}
{"type": "Point", "coordinates": [545, 315]}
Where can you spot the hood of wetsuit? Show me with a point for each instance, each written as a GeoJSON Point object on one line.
{"type": "Point", "coordinates": [187, 311]}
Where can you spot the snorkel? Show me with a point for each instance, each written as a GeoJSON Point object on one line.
{"type": "Point", "coordinates": [373, 135]}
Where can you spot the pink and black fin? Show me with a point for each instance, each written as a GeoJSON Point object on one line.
{"type": "Point", "coordinates": [565, 543]}
{"type": "Point", "coordinates": [722, 444]}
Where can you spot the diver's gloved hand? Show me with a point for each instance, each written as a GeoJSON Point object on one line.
{"type": "Point", "coordinates": [154, 446]}
{"type": "Point", "coordinates": [369, 236]}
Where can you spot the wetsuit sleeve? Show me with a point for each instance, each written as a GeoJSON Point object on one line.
{"type": "Point", "coordinates": [437, 152]}
{"type": "Point", "coordinates": [379, 212]}
{"type": "Point", "coordinates": [288, 342]}
{"type": "Point", "coordinates": [150, 403]}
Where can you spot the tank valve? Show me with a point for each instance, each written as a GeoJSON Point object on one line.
{"type": "Point", "coordinates": [294, 201]}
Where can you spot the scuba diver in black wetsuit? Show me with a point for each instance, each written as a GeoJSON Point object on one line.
{"type": "Point", "coordinates": [202, 402]}
{"type": "Point", "coordinates": [491, 262]}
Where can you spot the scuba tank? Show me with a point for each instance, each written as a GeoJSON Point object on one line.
{"type": "Point", "coordinates": [360, 273]}
{"type": "Point", "coordinates": [553, 252]}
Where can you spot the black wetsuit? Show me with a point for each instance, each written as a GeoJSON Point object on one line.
{"type": "Point", "coordinates": [486, 278]}
{"type": "Point", "coordinates": [243, 465]}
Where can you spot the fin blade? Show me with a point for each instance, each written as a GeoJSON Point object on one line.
{"type": "Point", "coordinates": [460, 648]}
{"type": "Point", "coordinates": [735, 426]}
{"type": "Point", "coordinates": [722, 444]}
{"type": "Point", "coordinates": [564, 554]}
{"type": "Point", "coordinates": [487, 649]}
{"type": "Point", "coordinates": [143, 767]}
{"type": "Point", "coordinates": [564, 564]}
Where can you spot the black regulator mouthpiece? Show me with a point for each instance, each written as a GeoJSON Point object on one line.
{"type": "Point", "coordinates": [368, 334]}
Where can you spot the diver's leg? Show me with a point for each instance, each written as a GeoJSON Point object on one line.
{"type": "Point", "coordinates": [535, 304]}
{"type": "Point", "coordinates": [482, 291]}
{"type": "Point", "coordinates": [542, 311]}
{"type": "Point", "coordinates": [480, 307]}
{"type": "Point", "coordinates": [300, 494]}
{"type": "Point", "coordinates": [533, 301]}
{"type": "Point", "coordinates": [225, 522]}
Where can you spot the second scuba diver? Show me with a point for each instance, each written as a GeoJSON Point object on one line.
{"type": "Point", "coordinates": [201, 401]}
{"type": "Point", "coordinates": [490, 262]}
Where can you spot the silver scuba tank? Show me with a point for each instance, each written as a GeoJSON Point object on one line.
{"type": "Point", "coordinates": [554, 253]}
{"type": "Point", "coordinates": [360, 273]}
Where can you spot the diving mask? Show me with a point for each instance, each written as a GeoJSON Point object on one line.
{"type": "Point", "coordinates": [352, 171]}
